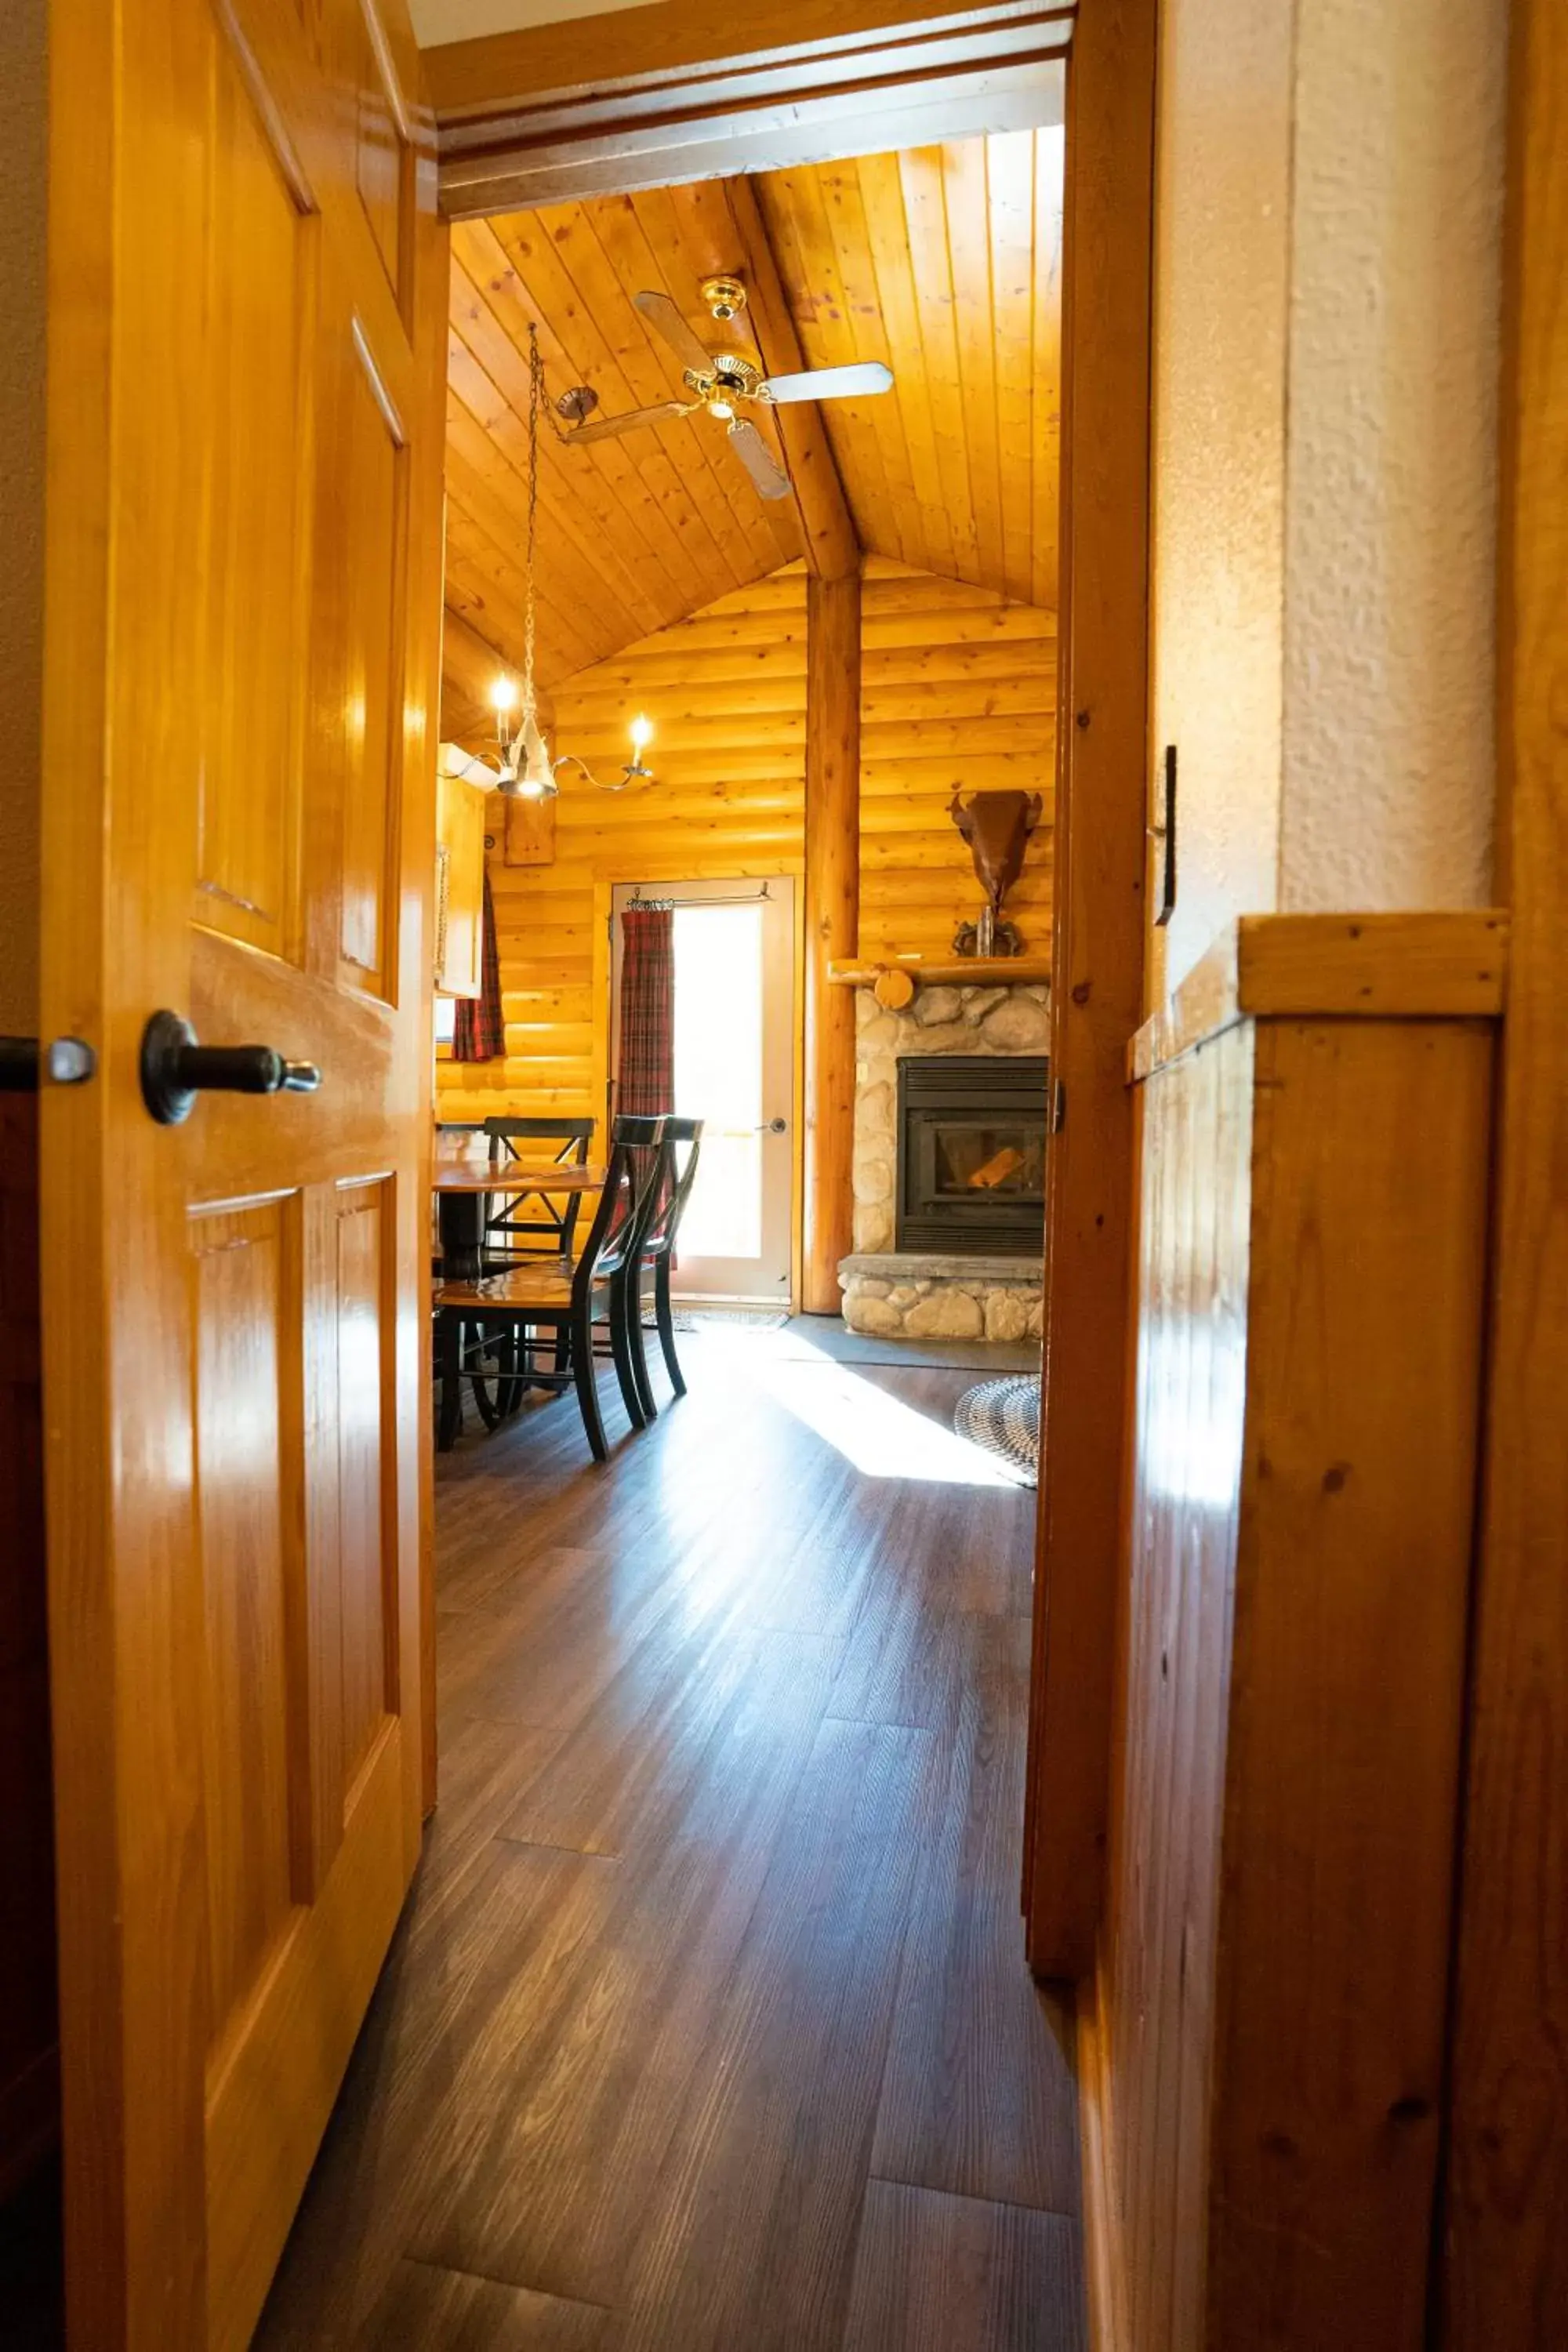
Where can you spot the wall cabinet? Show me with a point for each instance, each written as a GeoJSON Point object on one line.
{"type": "Point", "coordinates": [459, 886]}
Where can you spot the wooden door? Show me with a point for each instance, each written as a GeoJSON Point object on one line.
{"type": "Point", "coordinates": [246, 290]}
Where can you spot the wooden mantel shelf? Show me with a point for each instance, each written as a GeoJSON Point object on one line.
{"type": "Point", "coordinates": [963, 970]}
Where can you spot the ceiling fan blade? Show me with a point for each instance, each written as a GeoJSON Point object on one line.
{"type": "Point", "coordinates": [608, 427]}
{"type": "Point", "coordinates": [757, 458]}
{"type": "Point", "coordinates": [832, 384]}
{"type": "Point", "coordinates": [661, 312]}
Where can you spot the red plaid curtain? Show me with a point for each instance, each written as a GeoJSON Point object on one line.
{"type": "Point", "coordinates": [478, 1033]}
{"type": "Point", "coordinates": [646, 1079]}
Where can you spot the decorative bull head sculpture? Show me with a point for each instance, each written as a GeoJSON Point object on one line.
{"type": "Point", "coordinates": [996, 826]}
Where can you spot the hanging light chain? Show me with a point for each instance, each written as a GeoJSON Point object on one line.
{"type": "Point", "coordinates": [535, 399]}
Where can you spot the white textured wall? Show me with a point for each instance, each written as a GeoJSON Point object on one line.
{"type": "Point", "coordinates": [1391, 501]}
{"type": "Point", "coordinates": [22, 163]}
{"type": "Point", "coordinates": [1222, 293]}
{"type": "Point", "coordinates": [1327, 334]}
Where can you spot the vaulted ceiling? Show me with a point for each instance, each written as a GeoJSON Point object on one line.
{"type": "Point", "coordinates": [945, 262]}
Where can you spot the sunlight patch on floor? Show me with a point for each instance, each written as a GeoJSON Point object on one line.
{"type": "Point", "coordinates": [883, 1437]}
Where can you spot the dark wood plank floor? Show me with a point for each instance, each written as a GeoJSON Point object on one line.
{"type": "Point", "coordinates": [707, 2025]}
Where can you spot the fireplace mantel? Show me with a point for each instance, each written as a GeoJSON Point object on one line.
{"type": "Point", "coordinates": [959, 972]}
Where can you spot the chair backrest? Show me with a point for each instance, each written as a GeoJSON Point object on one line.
{"type": "Point", "coordinates": [573, 1134]}
{"type": "Point", "coordinates": [530, 1226]}
{"type": "Point", "coordinates": [631, 1174]}
{"type": "Point", "coordinates": [664, 1223]}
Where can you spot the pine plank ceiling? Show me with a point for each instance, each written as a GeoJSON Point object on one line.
{"type": "Point", "coordinates": [944, 261]}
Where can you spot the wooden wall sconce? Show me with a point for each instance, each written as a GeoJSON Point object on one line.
{"type": "Point", "coordinates": [996, 826]}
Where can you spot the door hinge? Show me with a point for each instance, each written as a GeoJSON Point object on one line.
{"type": "Point", "coordinates": [1058, 1107]}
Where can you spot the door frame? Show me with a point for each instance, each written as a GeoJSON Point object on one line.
{"type": "Point", "coordinates": [667, 874]}
{"type": "Point", "coordinates": [1504, 2198]}
{"type": "Point", "coordinates": [745, 889]}
{"type": "Point", "coordinates": [517, 127]}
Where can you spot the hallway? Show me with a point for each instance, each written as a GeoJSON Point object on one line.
{"type": "Point", "coordinates": [707, 2025]}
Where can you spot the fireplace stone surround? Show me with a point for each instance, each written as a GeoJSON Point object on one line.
{"type": "Point", "coordinates": [919, 1294]}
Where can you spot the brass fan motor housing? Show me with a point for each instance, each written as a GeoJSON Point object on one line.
{"type": "Point", "coordinates": [730, 378]}
{"type": "Point", "coordinates": [725, 298]}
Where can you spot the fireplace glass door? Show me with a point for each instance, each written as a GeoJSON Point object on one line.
{"type": "Point", "coordinates": [972, 1154]}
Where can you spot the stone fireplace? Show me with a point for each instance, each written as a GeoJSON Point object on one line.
{"type": "Point", "coordinates": [948, 1237]}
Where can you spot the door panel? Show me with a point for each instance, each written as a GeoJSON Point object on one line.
{"type": "Point", "coordinates": [246, 1307]}
{"type": "Point", "coordinates": [259, 304]}
{"type": "Point", "coordinates": [367, 1611]}
{"type": "Point", "coordinates": [245, 434]}
{"type": "Point", "coordinates": [366, 474]}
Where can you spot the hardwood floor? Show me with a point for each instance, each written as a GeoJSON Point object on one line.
{"type": "Point", "coordinates": [708, 2026]}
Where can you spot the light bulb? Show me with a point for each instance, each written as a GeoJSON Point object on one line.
{"type": "Point", "coordinates": [722, 408]}
{"type": "Point", "coordinates": [642, 735]}
{"type": "Point", "coordinates": [503, 696]}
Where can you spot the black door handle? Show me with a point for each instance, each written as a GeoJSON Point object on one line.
{"type": "Point", "coordinates": [176, 1069]}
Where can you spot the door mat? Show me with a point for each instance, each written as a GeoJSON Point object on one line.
{"type": "Point", "coordinates": [1003, 1418]}
{"type": "Point", "coordinates": [734, 1318]}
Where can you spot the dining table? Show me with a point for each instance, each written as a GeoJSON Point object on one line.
{"type": "Point", "coordinates": [461, 1187]}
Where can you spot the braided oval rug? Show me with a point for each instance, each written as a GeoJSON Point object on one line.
{"type": "Point", "coordinates": [1004, 1417]}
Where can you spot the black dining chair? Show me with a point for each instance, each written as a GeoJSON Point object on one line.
{"type": "Point", "coordinates": [677, 1177]}
{"type": "Point", "coordinates": [528, 1225]}
{"type": "Point", "coordinates": [553, 1302]}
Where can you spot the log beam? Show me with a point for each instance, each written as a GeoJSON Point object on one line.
{"type": "Point", "coordinates": [832, 923]}
{"type": "Point", "coordinates": [828, 538]}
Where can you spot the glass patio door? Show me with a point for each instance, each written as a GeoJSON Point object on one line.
{"type": "Point", "coordinates": [734, 1070]}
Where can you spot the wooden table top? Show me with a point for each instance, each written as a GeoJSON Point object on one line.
{"type": "Point", "coordinates": [514, 1176]}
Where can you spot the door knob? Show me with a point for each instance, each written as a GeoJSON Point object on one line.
{"type": "Point", "coordinates": [772, 1126]}
{"type": "Point", "coordinates": [176, 1069]}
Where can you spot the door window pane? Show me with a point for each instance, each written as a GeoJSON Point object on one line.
{"type": "Point", "coordinates": [719, 1074]}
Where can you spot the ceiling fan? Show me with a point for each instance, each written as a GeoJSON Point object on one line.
{"type": "Point", "coordinates": [720, 381]}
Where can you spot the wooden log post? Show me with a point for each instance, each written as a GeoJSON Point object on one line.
{"type": "Point", "coordinates": [832, 923]}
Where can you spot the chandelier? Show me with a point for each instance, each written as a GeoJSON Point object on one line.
{"type": "Point", "coordinates": [523, 768]}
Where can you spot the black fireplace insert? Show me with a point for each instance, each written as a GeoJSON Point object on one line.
{"type": "Point", "coordinates": [972, 1154]}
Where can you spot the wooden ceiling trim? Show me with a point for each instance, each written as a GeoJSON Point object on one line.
{"type": "Point", "coordinates": [732, 92]}
{"type": "Point", "coordinates": [542, 63]}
